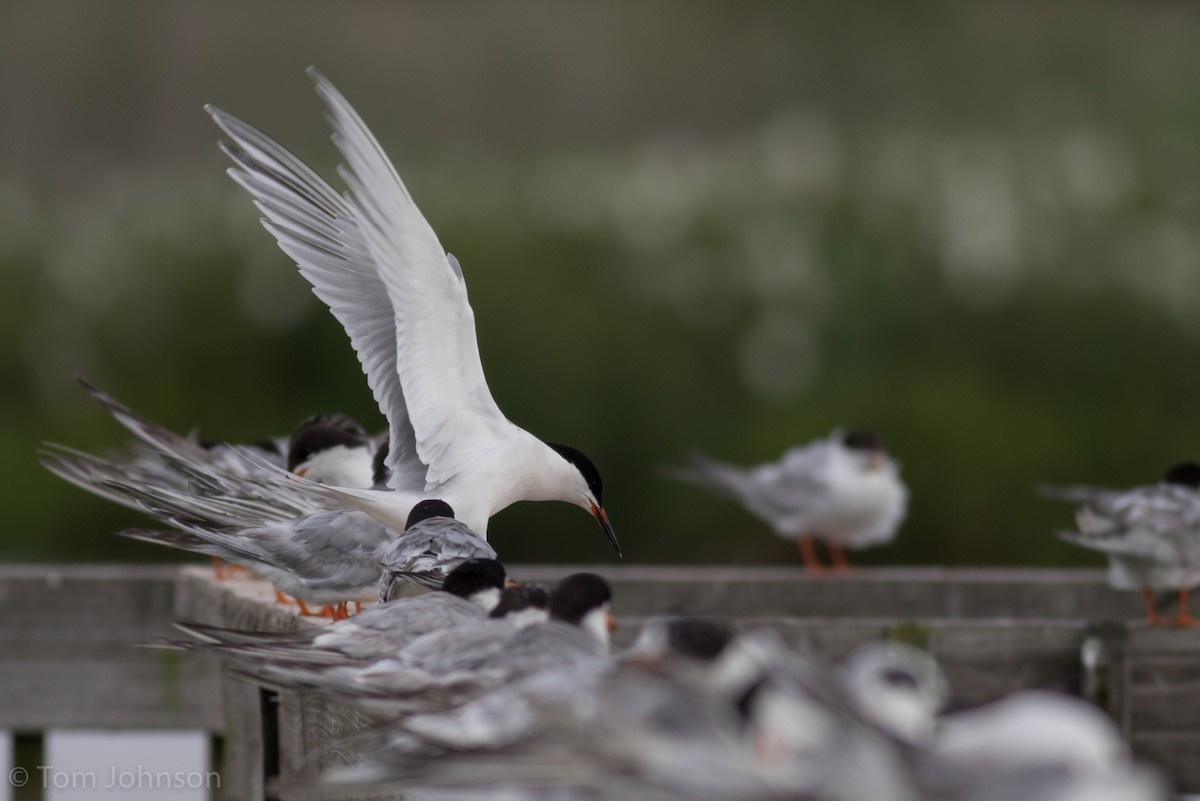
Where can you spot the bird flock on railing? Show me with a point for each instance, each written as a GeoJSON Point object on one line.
{"type": "Point", "coordinates": [483, 688]}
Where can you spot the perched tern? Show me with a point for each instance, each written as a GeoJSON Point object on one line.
{"type": "Point", "coordinates": [332, 449]}
{"type": "Point", "coordinates": [374, 260]}
{"type": "Point", "coordinates": [432, 544]}
{"type": "Point", "coordinates": [540, 660]}
{"type": "Point", "coordinates": [1150, 534]}
{"type": "Point", "coordinates": [189, 481]}
{"type": "Point", "coordinates": [327, 558]}
{"type": "Point", "coordinates": [433, 671]}
{"type": "Point", "coordinates": [843, 490]}
{"type": "Point", "coordinates": [470, 592]}
{"type": "Point", "coordinates": [167, 459]}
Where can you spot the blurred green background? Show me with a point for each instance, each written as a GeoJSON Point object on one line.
{"type": "Point", "coordinates": [724, 226]}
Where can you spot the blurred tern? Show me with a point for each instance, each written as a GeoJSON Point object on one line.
{"type": "Point", "coordinates": [843, 490]}
{"type": "Point", "coordinates": [538, 661]}
{"type": "Point", "coordinates": [432, 544]}
{"type": "Point", "coordinates": [374, 260]}
{"type": "Point", "coordinates": [897, 686]}
{"type": "Point", "coordinates": [433, 671]}
{"type": "Point", "coordinates": [1035, 746]}
{"type": "Point", "coordinates": [1151, 535]}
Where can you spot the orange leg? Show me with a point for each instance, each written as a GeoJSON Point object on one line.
{"type": "Point", "coordinates": [304, 610]}
{"type": "Point", "coordinates": [838, 556]}
{"type": "Point", "coordinates": [1152, 616]}
{"type": "Point", "coordinates": [357, 607]}
{"type": "Point", "coordinates": [808, 553]}
{"type": "Point", "coordinates": [281, 599]}
{"type": "Point", "coordinates": [1185, 619]}
{"type": "Point", "coordinates": [218, 568]}
{"type": "Point", "coordinates": [341, 611]}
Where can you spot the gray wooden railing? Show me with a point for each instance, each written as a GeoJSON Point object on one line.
{"type": "Point", "coordinates": [68, 655]}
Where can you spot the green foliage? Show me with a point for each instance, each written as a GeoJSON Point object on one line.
{"type": "Point", "coordinates": [1003, 279]}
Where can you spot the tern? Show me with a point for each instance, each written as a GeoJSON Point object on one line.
{"type": "Point", "coordinates": [843, 489]}
{"type": "Point", "coordinates": [1035, 745]}
{"type": "Point", "coordinates": [434, 671]}
{"type": "Point", "coordinates": [433, 544]}
{"type": "Point", "coordinates": [1150, 534]}
{"type": "Point", "coordinates": [375, 261]}
{"type": "Point", "coordinates": [470, 592]}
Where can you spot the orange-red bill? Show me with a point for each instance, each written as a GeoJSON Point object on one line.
{"type": "Point", "coordinates": [602, 518]}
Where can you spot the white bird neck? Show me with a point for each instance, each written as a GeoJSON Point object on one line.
{"type": "Point", "coordinates": [541, 474]}
{"type": "Point", "coordinates": [339, 466]}
{"type": "Point", "coordinates": [596, 623]}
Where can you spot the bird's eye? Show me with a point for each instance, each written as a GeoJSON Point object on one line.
{"type": "Point", "coordinates": [895, 677]}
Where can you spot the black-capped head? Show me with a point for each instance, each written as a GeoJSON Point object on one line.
{"type": "Point", "coordinates": [591, 493]}
{"type": "Point", "coordinates": [577, 595]}
{"type": "Point", "coordinates": [697, 637]}
{"type": "Point", "coordinates": [427, 509]}
{"type": "Point", "coordinates": [862, 439]}
{"type": "Point", "coordinates": [520, 598]}
{"type": "Point", "coordinates": [314, 436]}
{"type": "Point", "coordinates": [380, 472]}
{"type": "Point", "coordinates": [591, 475]}
{"type": "Point", "coordinates": [1184, 474]}
{"type": "Point", "coordinates": [474, 576]}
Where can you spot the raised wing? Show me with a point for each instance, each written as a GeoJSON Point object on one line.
{"type": "Point", "coordinates": [318, 228]}
{"type": "Point", "coordinates": [437, 356]}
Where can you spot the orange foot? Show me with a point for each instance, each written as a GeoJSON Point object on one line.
{"type": "Point", "coordinates": [838, 557]}
{"type": "Point", "coordinates": [1185, 620]}
{"type": "Point", "coordinates": [808, 553]}
{"type": "Point", "coordinates": [324, 611]}
{"type": "Point", "coordinates": [1153, 618]}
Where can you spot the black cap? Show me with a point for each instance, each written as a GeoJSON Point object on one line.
{"type": "Point", "coordinates": [578, 594]}
{"type": "Point", "coordinates": [520, 598]}
{"type": "Point", "coordinates": [862, 439]}
{"type": "Point", "coordinates": [1185, 474]}
{"type": "Point", "coordinates": [427, 509]}
{"type": "Point", "coordinates": [473, 576]}
{"type": "Point", "coordinates": [321, 433]}
{"type": "Point", "coordinates": [698, 637]}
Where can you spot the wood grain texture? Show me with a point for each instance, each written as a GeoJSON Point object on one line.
{"type": "Point", "coordinates": [68, 657]}
{"type": "Point", "coordinates": [869, 592]}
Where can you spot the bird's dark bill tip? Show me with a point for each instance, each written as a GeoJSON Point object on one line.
{"type": "Point", "coordinates": [602, 518]}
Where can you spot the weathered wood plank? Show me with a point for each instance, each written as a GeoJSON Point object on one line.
{"type": "Point", "coordinates": [309, 730]}
{"type": "Point", "coordinates": [869, 592]}
{"type": "Point", "coordinates": [247, 603]}
{"type": "Point", "coordinates": [67, 655]}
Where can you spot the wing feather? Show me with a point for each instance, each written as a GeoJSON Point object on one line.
{"type": "Point", "coordinates": [437, 355]}
{"type": "Point", "coordinates": [318, 229]}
